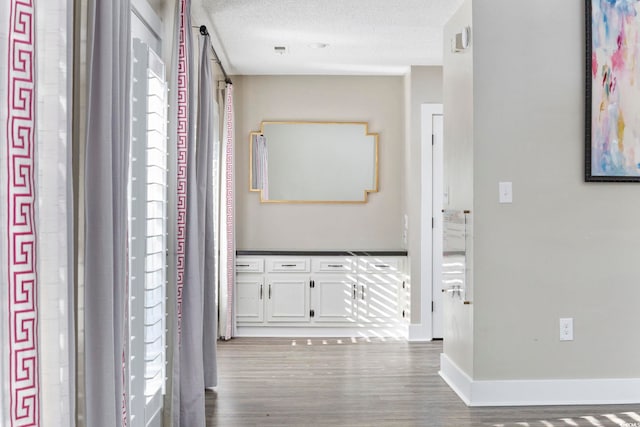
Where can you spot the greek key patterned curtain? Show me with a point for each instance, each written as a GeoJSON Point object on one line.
{"type": "Point", "coordinates": [227, 220]}
{"type": "Point", "coordinates": [20, 402]}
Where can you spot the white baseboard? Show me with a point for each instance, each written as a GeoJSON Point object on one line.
{"type": "Point", "coordinates": [597, 391]}
{"type": "Point", "coordinates": [419, 333]}
{"type": "Point", "coordinates": [392, 332]}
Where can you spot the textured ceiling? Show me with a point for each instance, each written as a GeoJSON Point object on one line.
{"type": "Point", "coordinates": [364, 37]}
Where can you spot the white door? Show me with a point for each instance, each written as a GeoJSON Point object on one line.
{"type": "Point", "coordinates": [431, 223]}
{"type": "Point", "coordinates": [288, 299]}
{"type": "Point", "coordinates": [333, 298]}
{"type": "Point", "coordinates": [437, 237]}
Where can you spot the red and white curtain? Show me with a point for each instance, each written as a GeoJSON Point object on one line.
{"type": "Point", "coordinates": [20, 403]}
{"type": "Point", "coordinates": [37, 347]}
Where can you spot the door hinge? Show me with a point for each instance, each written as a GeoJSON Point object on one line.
{"type": "Point", "coordinates": [432, 307]}
{"type": "Point", "coordinates": [433, 222]}
{"type": "Point", "coordinates": [433, 139]}
{"type": "Point", "coordinates": [403, 285]}
{"type": "Point", "coordinates": [312, 313]}
{"type": "Point", "coordinates": [403, 314]}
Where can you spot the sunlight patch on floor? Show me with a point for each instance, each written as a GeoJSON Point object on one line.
{"type": "Point", "coordinates": [341, 341]}
{"type": "Point", "coordinates": [624, 419]}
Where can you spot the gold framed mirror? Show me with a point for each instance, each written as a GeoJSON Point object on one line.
{"type": "Point", "coordinates": [313, 162]}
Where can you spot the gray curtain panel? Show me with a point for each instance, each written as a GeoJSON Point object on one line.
{"type": "Point", "coordinates": [107, 162]}
{"type": "Point", "coordinates": [206, 205]}
{"type": "Point", "coordinates": [260, 165]}
{"type": "Point", "coordinates": [191, 366]}
{"type": "Point", "coordinates": [184, 109]}
{"type": "Point", "coordinates": [198, 325]}
{"type": "Point", "coordinates": [193, 358]}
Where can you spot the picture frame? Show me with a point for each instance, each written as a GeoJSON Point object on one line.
{"type": "Point", "coordinates": [612, 101]}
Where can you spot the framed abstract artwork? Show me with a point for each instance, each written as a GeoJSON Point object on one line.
{"type": "Point", "coordinates": [612, 111]}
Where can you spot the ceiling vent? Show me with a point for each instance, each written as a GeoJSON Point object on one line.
{"type": "Point", "coordinates": [280, 50]}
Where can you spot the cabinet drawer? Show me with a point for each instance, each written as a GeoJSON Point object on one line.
{"type": "Point", "coordinates": [329, 265]}
{"type": "Point", "coordinates": [249, 265]}
{"type": "Point", "coordinates": [379, 265]}
{"type": "Point", "coordinates": [293, 265]}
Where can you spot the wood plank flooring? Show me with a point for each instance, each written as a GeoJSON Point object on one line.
{"type": "Point", "coordinates": [362, 382]}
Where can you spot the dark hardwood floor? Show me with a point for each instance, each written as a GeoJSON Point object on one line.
{"type": "Point", "coordinates": [360, 382]}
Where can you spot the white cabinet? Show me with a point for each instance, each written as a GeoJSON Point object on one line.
{"type": "Point", "coordinates": [320, 291]}
{"type": "Point", "coordinates": [250, 289]}
{"type": "Point", "coordinates": [249, 298]}
{"type": "Point", "coordinates": [333, 298]}
{"type": "Point", "coordinates": [272, 289]}
{"type": "Point", "coordinates": [288, 298]}
{"type": "Point", "coordinates": [380, 289]}
{"type": "Point", "coordinates": [288, 285]}
{"type": "Point", "coordinates": [378, 300]}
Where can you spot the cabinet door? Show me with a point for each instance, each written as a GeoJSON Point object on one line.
{"type": "Point", "coordinates": [288, 298]}
{"type": "Point", "coordinates": [333, 298]}
{"type": "Point", "coordinates": [378, 299]}
{"type": "Point", "coordinates": [249, 299]}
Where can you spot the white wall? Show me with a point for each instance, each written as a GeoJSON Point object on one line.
{"type": "Point", "coordinates": [564, 248]}
{"type": "Point", "coordinates": [372, 225]}
{"type": "Point", "coordinates": [458, 172]}
{"type": "Point", "coordinates": [423, 86]}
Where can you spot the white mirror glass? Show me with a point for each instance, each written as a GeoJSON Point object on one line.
{"type": "Point", "coordinates": [314, 162]}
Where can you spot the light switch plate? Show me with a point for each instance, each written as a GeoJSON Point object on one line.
{"type": "Point", "coordinates": [505, 190]}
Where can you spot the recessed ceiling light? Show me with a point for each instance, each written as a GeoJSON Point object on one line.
{"type": "Point", "coordinates": [281, 50]}
{"type": "Point", "coordinates": [318, 45]}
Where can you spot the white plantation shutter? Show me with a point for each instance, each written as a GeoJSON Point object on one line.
{"type": "Point", "coordinates": [148, 235]}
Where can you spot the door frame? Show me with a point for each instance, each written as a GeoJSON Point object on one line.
{"type": "Point", "coordinates": [425, 330]}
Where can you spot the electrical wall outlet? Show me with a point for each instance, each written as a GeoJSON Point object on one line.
{"type": "Point", "coordinates": [566, 329]}
{"type": "Point", "coordinates": [405, 229]}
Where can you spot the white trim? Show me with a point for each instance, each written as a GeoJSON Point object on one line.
{"type": "Point", "coordinates": [419, 333]}
{"type": "Point", "coordinates": [148, 17]}
{"type": "Point", "coordinates": [592, 391]}
{"type": "Point", "coordinates": [392, 332]}
{"type": "Point", "coordinates": [425, 329]}
{"type": "Point", "coordinates": [456, 378]}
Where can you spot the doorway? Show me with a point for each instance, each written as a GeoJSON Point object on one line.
{"type": "Point", "coordinates": [433, 196]}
